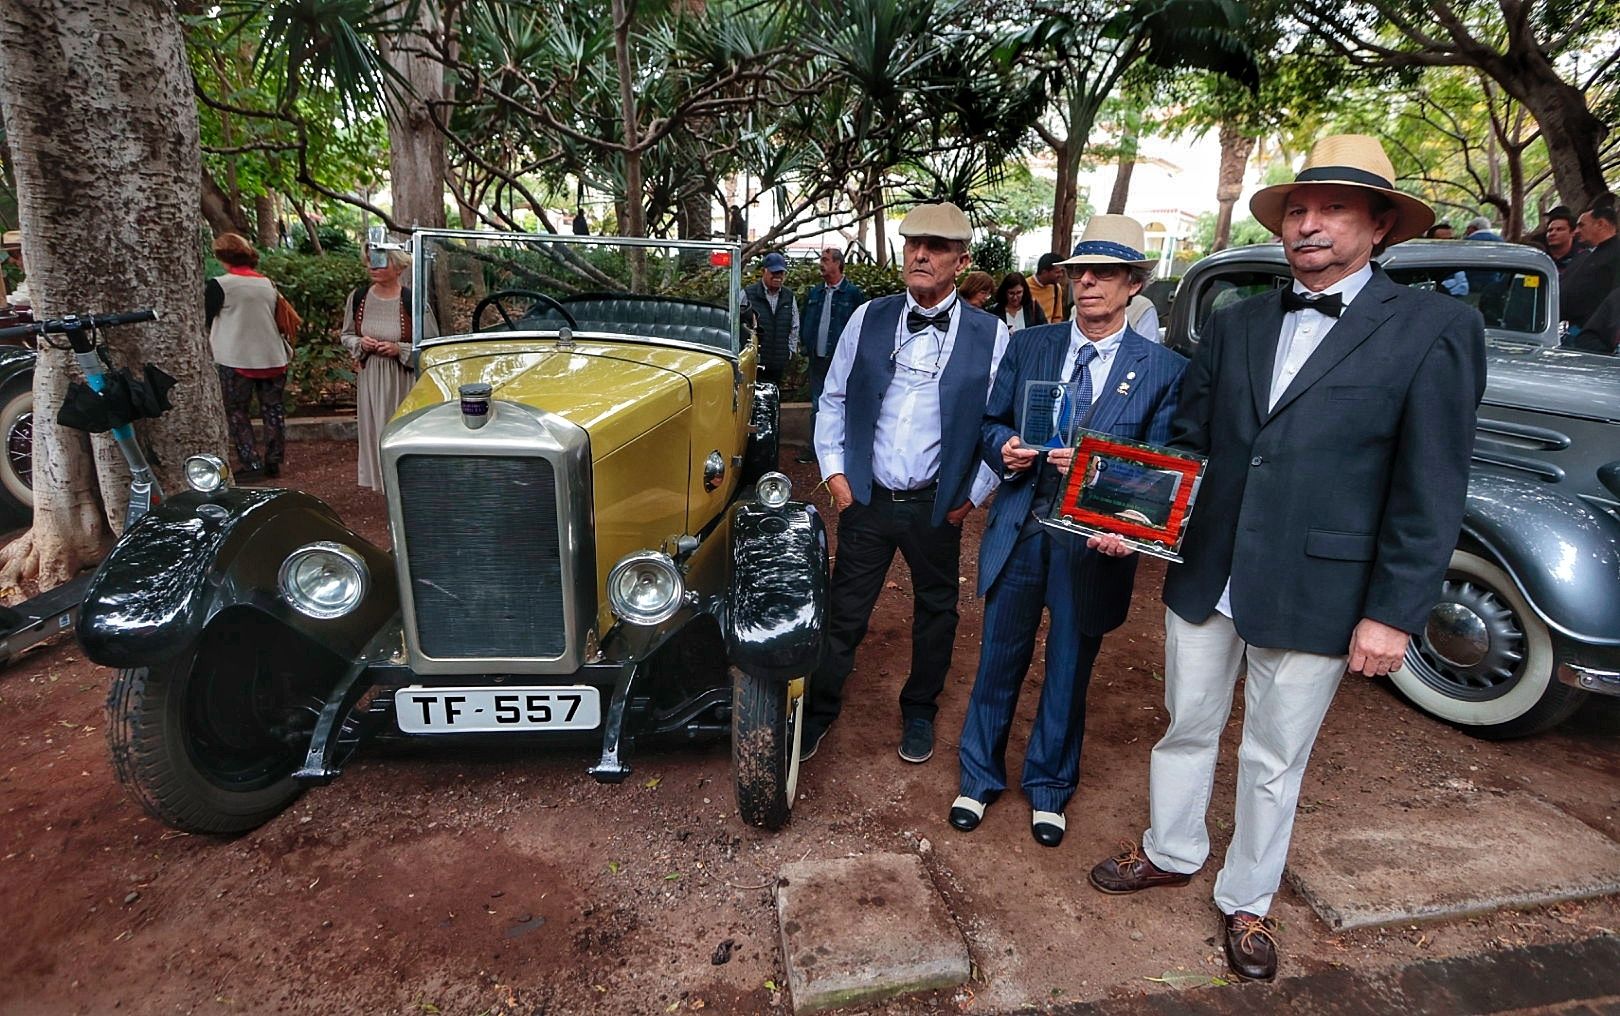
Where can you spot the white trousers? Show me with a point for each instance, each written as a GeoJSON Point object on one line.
{"type": "Point", "coordinates": [1286, 695]}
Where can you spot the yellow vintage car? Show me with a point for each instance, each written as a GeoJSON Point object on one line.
{"type": "Point", "coordinates": [589, 542]}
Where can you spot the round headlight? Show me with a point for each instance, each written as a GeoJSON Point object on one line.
{"type": "Point", "coordinates": [207, 473]}
{"type": "Point", "coordinates": [774, 489]}
{"type": "Point", "coordinates": [323, 580]}
{"type": "Point", "coordinates": [645, 588]}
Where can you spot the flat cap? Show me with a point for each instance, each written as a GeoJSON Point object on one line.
{"type": "Point", "coordinates": [943, 220]}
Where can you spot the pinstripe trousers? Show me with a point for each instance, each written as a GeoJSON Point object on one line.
{"type": "Point", "coordinates": [1285, 697]}
{"type": "Point", "coordinates": [1038, 573]}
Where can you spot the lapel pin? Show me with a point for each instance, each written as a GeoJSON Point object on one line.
{"type": "Point", "coordinates": [1124, 388]}
{"type": "Point", "coordinates": [1130, 375]}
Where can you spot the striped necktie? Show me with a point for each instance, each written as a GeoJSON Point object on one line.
{"type": "Point", "coordinates": [1080, 390]}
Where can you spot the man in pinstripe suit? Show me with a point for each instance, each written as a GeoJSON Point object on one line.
{"type": "Point", "coordinates": [1127, 385]}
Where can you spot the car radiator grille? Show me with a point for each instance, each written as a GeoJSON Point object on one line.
{"type": "Point", "coordinates": [485, 567]}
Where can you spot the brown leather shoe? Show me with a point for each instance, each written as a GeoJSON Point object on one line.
{"type": "Point", "coordinates": [1251, 946]}
{"type": "Point", "coordinates": [1130, 871]}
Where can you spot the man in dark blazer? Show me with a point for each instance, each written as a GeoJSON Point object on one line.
{"type": "Point", "coordinates": [897, 437]}
{"type": "Point", "coordinates": [1338, 418]}
{"type": "Point", "coordinates": [827, 308]}
{"type": "Point", "coordinates": [1126, 385]}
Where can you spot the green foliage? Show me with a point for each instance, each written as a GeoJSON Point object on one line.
{"type": "Point", "coordinates": [322, 371]}
{"type": "Point", "coordinates": [992, 254]}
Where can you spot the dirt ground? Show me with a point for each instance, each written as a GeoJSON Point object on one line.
{"type": "Point", "coordinates": [451, 881]}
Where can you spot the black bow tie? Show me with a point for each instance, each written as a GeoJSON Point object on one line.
{"type": "Point", "coordinates": [916, 320]}
{"type": "Point", "coordinates": [1331, 304]}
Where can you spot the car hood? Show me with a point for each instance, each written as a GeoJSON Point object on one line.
{"type": "Point", "coordinates": [1559, 381]}
{"type": "Point", "coordinates": [614, 392]}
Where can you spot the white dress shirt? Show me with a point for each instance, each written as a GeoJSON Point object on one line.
{"type": "Point", "coordinates": [1100, 365]}
{"type": "Point", "coordinates": [1301, 335]}
{"type": "Point", "coordinates": [905, 447]}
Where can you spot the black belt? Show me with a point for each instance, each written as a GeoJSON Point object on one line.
{"type": "Point", "coordinates": [880, 493]}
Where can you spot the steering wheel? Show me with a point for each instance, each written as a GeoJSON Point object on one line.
{"type": "Point", "coordinates": [494, 299]}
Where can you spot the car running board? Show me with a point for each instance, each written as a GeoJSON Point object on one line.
{"type": "Point", "coordinates": [33, 621]}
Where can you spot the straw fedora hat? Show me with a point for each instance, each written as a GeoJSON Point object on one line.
{"type": "Point", "coordinates": [1348, 160]}
{"type": "Point", "coordinates": [943, 220]}
{"type": "Point", "coordinates": [1111, 240]}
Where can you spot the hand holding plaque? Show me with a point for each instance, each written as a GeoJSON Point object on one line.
{"type": "Point", "coordinates": [1139, 492]}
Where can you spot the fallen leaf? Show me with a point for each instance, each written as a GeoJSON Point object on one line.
{"type": "Point", "coordinates": [653, 783]}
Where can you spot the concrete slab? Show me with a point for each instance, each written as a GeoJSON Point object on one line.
{"type": "Point", "coordinates": [862, 929]}
{"type": "Point", "coordinates": [1451, 856]}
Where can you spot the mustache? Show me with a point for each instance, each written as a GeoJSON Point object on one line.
{"type": "Point", "coordinates": [1310, 243]}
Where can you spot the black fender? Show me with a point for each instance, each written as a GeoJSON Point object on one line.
{"type": "Point", "coordinates": [776, 603]}
{"type": "Point", "coordinates": [195, 555]}
{"type": "Point", "coordinates": [761, 454]}
{"type": "Point", "coordinates": [1561, 552]}
{"type": "Point", "coordinates": [16, 361]}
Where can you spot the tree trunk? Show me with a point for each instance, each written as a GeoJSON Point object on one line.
{"type": "Point", "coordinates": [1573, 135]}
{"type": "Point", "coordinates": [223, 216]}
{"type": "Point", "coordinates": [108, 195]}
{"type": "Point", "coordinates": [264, 221]}
{"type": "Point", "coordinates": [634, 222]}
{"type": "Point", "coordinates": [416, 147]}
{"type": "Point", "coordinates": [1235, 150]}
{"type": "Point", "coordinates": [1068, 189]}
{"type": "Point", "coordinates": [1122, 182]}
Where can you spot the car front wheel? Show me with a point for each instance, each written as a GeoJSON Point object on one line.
{"type": "Point", "coordinates": [767, 718]}
{"type": "Point", "coordinates": [208, 742]}
{"type": "Point", "coordinates": [1485, 660]}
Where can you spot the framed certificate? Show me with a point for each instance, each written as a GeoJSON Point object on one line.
{"type": "Point", "coordinates": [1140, 492]}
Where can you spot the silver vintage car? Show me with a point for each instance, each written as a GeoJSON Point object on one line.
{"type": "Point", "coordinates": [1528, 621]}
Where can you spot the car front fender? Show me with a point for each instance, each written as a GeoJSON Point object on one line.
{"type": "Point", "coordinates": [197, 554]}
{"type": "Point", "coordinates": [1562, 553]}
{"type": "Point", "coordinates": [777, 589]}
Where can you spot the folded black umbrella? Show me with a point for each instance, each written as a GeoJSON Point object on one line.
{"type": "Point", "coordinates": [124, 399]}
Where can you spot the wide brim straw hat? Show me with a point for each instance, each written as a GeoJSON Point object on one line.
{"type": "Point", "coordinates": [942, 219]}
{"type": "Point", "coordinates": [1111, 240]}
{"type": "Point", "coordinates": [1347, 160]}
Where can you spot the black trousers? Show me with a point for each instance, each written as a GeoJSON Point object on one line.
{"type": "Point", "coordinates": [868, 536]}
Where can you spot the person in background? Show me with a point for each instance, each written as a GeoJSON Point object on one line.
{"type": "Point", "coordinates": [377, 333]}
{"type": "Point", "coordinates": [1560, 238]}
{"type": "Point", "coordinates": [1479, 228]}
{"type": "Point", "coordinates": [1050, 290]}
{"type": "Point", "coordinates": [1143, 316]}
{"type": "Point", "coordinates": [1439, 231]}
{"type": "Point", "coordinates": [1595, 274]}
{"type": "Point", "coordinates": [250, 353]}
{"type": "Point", "coordinates": [1013, 305]}
{"type": "Point", "coordinates": [898, 441]}
{"type": "Point", "coordinates": [776, 311]}
{"type": "Point", "coordinates": [581, 227]}
{"type": "Point", "coordinates": [827, 308]}
{"type": "Point", "coordinates": [976, 288]}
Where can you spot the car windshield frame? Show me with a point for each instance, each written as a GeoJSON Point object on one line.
{"type": "Point", "coordinates": [428, 244]}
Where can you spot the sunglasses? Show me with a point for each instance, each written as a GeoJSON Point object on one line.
{"type": "Point", "coordinates": [1102, 273]}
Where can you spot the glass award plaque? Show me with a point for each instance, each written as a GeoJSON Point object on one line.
{"type": "Point", "coordinates": [1051, 414]}
{"type": "Point", "coordinates": [1140, 492]}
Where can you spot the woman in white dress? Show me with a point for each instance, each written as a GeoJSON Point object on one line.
{"type": "Point", "coordinates": [1013, 305]}
{"type": "Point", "coordinates": [377, 332]}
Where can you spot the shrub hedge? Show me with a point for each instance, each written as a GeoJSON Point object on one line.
{"type": "Point", "coordinates": [322, 371]}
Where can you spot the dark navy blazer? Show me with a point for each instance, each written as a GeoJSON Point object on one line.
{"type": "Point", "coordinates": [1143, 413]}
{"type": "Point", "coordinates": [1344, 500]}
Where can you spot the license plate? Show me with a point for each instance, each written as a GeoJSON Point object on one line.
{"type": "Point", "coordinates": [474, 710]}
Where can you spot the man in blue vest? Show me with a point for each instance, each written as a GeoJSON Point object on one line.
{"type": "Point", "coordinates": [776, 313]}
{"type": "Point", "coordinates": [1125, 384]}
{"type": "Point", "coordinates": [897, 437]}
{"type": "Point", "coordinates": [826, 311]}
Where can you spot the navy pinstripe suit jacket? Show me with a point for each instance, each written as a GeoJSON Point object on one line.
{"type": "Point", "coordinates": [1143, 413]}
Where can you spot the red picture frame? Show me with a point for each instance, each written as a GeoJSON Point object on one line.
{"type": "Point", "coordinates": [1147, 469]}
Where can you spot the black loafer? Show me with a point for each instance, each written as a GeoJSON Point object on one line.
{"type": "Point", "coordinates": [966, 813]}
{"type": "Point", "coordinates": [917, 741]}
{"type": "Point", "coordinates": [272, 469]}
{"type": "Point", "coordinates": [1047, 827]}
{"type": "Point", "coordinates": [809, 741]}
